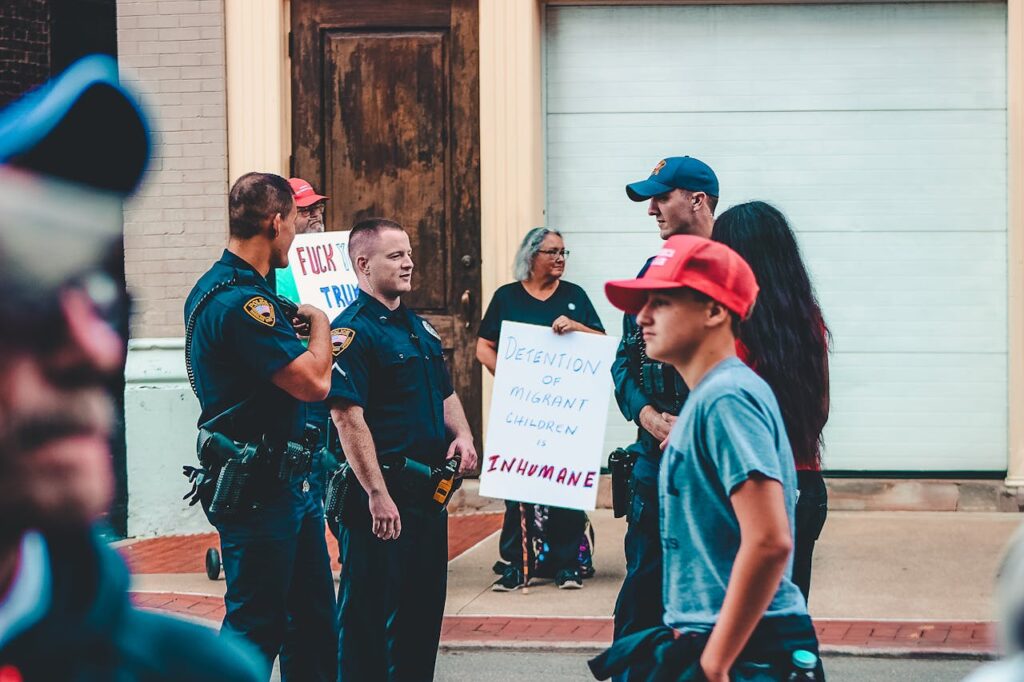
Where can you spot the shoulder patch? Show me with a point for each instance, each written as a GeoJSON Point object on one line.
{"type": "Point", "coordinates": [261, 310]}
{"type": "Point", "coordinates": [341, 337]}
{"type": "Point", "coordinates": [430, 330]}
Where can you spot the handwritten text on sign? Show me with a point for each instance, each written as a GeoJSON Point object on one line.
{"type": "Point", "coordinates": [548, 412]}
{"type": "Point", "coordinates": [324, 276]}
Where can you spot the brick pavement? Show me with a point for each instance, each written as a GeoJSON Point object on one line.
{"type": "Point", "coordinates": [186, 553]}
{"type": "Point", "coordinates": [905, 637]}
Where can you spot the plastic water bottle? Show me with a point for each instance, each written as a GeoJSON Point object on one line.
{"type": "Point", "coordinates": [804, 663]}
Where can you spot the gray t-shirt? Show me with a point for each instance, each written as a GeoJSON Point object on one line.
{"type": "Point", "coordinates": [730, 427]}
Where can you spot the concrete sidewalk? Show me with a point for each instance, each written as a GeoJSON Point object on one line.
{"type": "Point", "coordinates": [884, 582]}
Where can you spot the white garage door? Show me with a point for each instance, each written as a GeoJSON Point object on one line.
{"type": "Point", "coordinates": [880, 130]}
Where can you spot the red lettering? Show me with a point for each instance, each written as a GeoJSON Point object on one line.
{"type": "Point", "coordinates": [508, 464]}
{"type": "Point", "coordinates": [546, 471]}
{"type": "Point", "coordinates": [561, 475]}
{"type": "Point", "coordinates": [521, 469]}
{"type": "Point", "coordinates": [574, 478]}
{"type": "Point", "coordinates": [329, 257]}
{"type": "Point", "coordinates": [494, 462]}
{"type": "Point", "coordinates": [301, 253]}
{"type": "Point", "coordinates": [588, 482]}
{"type": "Point", "coordinates": [532, 471]}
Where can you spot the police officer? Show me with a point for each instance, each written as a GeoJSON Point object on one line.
{"type": "Point", "coordinates": [391, 398]}
{"type": "Point", "coordinates": [69, 153]}
{"type": "Point", "coordinates": [253, 376]}
{"type": "Point", "coordinates": [682, 193]}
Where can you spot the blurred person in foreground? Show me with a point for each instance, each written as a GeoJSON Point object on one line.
{"type": "Point", "coordinates": [69, 152]}
{"type": "Point", "coordinates": [726, 486]}
{"type": "Point", "coordinates": [785, 340]}
{"type": "Point", "coordinates": [557, 543]}
{"type": "Point", "coordinates": [1010, 625]}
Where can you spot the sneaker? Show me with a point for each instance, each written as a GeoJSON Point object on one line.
{"type": "Point", "coordinates": [500, 567]}
{"type": "Point", "coordinates": [569, 579]}
{"type": "Point", "coordinates": [511, 580]}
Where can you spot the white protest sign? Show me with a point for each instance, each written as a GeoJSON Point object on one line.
{"type": "Point", "coordinates": [548, 413]}
{"type": "Point", "coordinates": [322, 273]}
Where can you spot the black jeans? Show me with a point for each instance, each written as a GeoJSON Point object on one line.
{"type": "Point", "coordinates": [811, 510]}
{"type": "Point", "coordinates": [562, 531]}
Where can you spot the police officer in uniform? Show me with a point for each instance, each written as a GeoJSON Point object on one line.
{"type": "Point", "coordinates": [682, 194]}
{"type": "Point", "coordinates": [394, 407]}
{"type": "Point", "coordinates": [253, 376]}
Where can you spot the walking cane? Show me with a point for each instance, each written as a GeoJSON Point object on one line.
{"type": "Point", "coordinates": [526, 554]}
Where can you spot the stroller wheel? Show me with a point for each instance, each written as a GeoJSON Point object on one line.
{"type": "Point", "coordinates": [212, 564]}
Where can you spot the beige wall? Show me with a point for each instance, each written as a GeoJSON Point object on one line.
{"type": "Point", "coordinates": [173, 53]}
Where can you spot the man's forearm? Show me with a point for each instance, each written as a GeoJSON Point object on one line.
{"type": "Point", "coordinates": [754, 580]}
{"type": "Point", "coordinates": [320, 342]}
{"type": "Point", "coordinates": [360, 452]}
{"type": "Point", "coordinates": [455, 417]}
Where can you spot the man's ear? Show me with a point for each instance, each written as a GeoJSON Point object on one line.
{"type": "Point", "coordinates": [717, 314]}
{"type": "Point", "coordinates": [698, 199]}
{"type": "Point", "coordinates": [361, 264]}
{"type": "Point", "coordinates": [275, 226]}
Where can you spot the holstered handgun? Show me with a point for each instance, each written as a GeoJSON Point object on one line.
{"type": "Point", "coordinates": [425, 489]}
{"type": "Point", "coordinates": [620, 464]}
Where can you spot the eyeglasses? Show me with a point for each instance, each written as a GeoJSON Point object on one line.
{"type": "Point", "coordinates": [312, 210]}
{"type": "Point", "coordinates": [555, 253]}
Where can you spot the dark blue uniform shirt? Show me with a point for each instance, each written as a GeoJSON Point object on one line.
{"type": "Point", "coordinates": [240, 339]}
{"type": "Point", "coordinates": [632, 396]}
{"type": "Point", "coordinates": [390, 363]}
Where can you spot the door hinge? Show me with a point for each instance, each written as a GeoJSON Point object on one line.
{"type": "Point", "coordinates": [291, 165]}
{"type": "Point", "coordinates": [291, 44]}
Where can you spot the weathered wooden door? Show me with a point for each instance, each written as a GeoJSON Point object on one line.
{"type": "Point", "coordinates": [385, 121]}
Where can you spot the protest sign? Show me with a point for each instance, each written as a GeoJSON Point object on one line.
{"type": "Point", "coordinates": [548, 414]}
{"type": "Point", "coordinates": [319, 272]}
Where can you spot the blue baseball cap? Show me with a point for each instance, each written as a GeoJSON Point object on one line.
{"type": "Point", "coordinates": [675, 172]}
{"type": "Point", "coordinates": [70, 151]}
{"type": "Point", "coordinates": [83, 127]}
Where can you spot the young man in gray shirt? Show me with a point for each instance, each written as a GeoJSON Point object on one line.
{"type": "Point", "coordinates": [727, 484]}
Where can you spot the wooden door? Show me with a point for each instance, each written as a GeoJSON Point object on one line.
{"type": "Point", "coordinates": [386, 123]}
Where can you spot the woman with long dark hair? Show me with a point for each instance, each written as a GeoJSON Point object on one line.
{"type": "Point", "coordinates": [785, 340]}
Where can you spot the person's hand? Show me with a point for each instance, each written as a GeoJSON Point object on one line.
{"type": "Point", "coordinates": [464, 448]}
{"type": "Point", "coordinates": [658, 424]}
{"type": "Point", "coordinates": [302, 321]}
{"type": "Point", "coordinates": [387, 523]}
{"type": "Point", "coordinates": [563, 325]}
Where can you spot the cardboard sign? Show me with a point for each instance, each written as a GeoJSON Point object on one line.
{"type": "Point", "coordinates": [319, 272]}
{"type": "Point", "coordinates": [548, 413]}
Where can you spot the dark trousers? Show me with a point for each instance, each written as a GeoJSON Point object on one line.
{"type": "Point", "coordinates": [660, 655]}
{"type": "Point", "coordinates": [280, 591]}
{"type": "Point", "coordinates": [811, 511]}
{"type": "Point", "coordinates": [391, 599]}
{"type": "Point", "coordinates": [563, 531]}
{"type": "Point", "coordinates": [639, 604]}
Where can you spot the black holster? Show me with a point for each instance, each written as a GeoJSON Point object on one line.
{"type": "Point", "coordinates": [620, 464]}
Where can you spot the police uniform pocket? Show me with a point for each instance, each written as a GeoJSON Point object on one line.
{"type": "Point", "coordinates": [404, 373]}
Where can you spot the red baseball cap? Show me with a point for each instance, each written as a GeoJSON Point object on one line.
{"type": "Point", "coordinates": [304, 194]}
{"type": "Point", "coordinates": [694, 262]}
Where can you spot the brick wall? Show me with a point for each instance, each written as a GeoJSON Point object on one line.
{"type": "Point", "coordinates": [24, 46]}
{"type": "Point", "coordinates": [173, 53]}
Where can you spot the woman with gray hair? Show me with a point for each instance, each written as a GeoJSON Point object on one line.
{"type": "Point", "coordinates": [557, 545]}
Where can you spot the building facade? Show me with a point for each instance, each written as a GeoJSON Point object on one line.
{"type": "Point", "coordinates": [890, 134]}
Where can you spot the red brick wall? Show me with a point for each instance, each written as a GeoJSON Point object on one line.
{"type": "Point", "coordinates": [24, 46]}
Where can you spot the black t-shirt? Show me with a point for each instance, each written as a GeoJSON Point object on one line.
{"type": "Point", "coordinates": [514, 303]}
